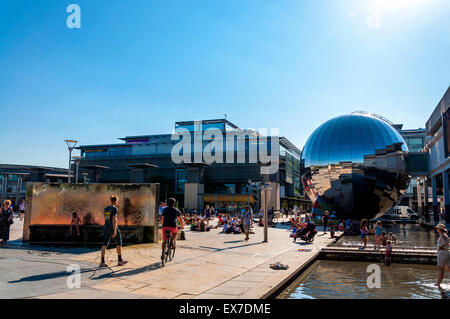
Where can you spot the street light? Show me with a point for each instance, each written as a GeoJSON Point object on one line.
{"type": "Point", "coordinates": [266, 187]}
{"type": "Point", "coordinates": [70, 145]}
{"type": "Point", "coordinates": [77, 160]}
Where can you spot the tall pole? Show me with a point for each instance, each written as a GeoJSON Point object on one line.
{"type": "Point", "coordinates": [70, 164]}
{"type": "Point", "coordinates": [76, 174]}
{"type": "Point", "coordinates": [266, 216]}
{"type": "Point", "coordinates": [70, 145]}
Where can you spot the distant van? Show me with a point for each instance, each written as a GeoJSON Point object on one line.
{"type": "Point", "coordinates": [400, 212]}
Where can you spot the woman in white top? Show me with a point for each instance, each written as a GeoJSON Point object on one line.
{"type": "Point", "coordinates": [443, 256]}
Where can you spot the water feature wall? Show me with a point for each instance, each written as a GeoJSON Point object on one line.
{"type": "Point", "coordinates": [50, 206]}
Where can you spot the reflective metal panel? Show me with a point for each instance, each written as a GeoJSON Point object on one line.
{"type": "Point", "coordinates": [355, 165]}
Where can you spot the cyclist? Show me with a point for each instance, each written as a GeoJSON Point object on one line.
{"type": "Point", "coordinates": [170, 215]}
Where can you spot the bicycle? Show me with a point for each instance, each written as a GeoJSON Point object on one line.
{"type": "Point", "coordinates": [168, 249]}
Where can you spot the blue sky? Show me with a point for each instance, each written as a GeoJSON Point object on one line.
{"type": "Point", "coordinates": [135, 67]}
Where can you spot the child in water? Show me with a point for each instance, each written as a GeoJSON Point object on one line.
{"type": "Point", "coordinates": [388, 255]}
{"type": "Point", "coordinates": [378, 233]}
{"type": "Point", "coordinates": [76, 220]}
{"type": "Point", "coordinates": [364, 231]}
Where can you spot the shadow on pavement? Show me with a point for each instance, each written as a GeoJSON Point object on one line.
{"type": "Point", "coordinates": [239, 246]}
{"type": "Point", "coordinates": [18, 244]}
{"type": "Point", "coordinates": [122, 272]}
{"type": "Point", "coordinates": [51, 275]}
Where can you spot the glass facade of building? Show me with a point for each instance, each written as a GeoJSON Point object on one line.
{"type": "Point", "coordinates": [415, 144]}
{"type": "Point", "coordinates": [243, 153]}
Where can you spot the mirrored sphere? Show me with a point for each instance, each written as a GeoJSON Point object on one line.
{"type": "Point", "coordinates": [355, 166]}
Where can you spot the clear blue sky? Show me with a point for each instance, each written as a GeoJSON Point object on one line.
{"type": "Point", "coordinates": [135, 67]}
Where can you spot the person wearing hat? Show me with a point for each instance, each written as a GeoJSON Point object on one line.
{"type": "Point", "coordinates": [443, 256]}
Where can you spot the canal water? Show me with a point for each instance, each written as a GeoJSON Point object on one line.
{"type": "Point", "coordinates": [408, 235]}
{"type": "Point", "coordinates": [348, 280]}
{"type": "Point", "coordinates": [327, 279]}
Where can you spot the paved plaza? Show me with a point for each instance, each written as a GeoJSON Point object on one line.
{"type": "Point", "coordinates": [206, 265]}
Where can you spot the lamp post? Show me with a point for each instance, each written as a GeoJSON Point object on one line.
{"type": "Point", "coordinates": [70, 145]}
{"type": "Point", "coordinates": [262, 186]}
{"type": "Point", "coordinates": [266, 187]}
{"type": "Point", "coordinates": [77, 160]}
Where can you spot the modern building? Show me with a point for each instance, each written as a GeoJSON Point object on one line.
{"type": "Point", "coordinates": [13, 179]}
{"type": "Point", "coordinates": [227, 183]}
{"type": "Point", "coordinates": [416, 140]}
{"type": "Point", "coordinates": [438, 148]}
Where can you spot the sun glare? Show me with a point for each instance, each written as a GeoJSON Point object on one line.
{"type": "Point", "coordinates": [395, 4]}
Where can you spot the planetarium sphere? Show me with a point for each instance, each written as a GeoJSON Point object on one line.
{"type": "Point", "coordinates": [355, 165]}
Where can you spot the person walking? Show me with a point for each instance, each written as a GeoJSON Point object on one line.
{"type": "Point", "coordinates": [207, 214]}
{"type": "Point", "coordinates": [325, 218]}
{"type": "Point", "coordinates": [6, 219]}
{"type": "Point", "coordinates": [111, 232]}
{"type": "Point", "coordinates": [21, 209]}
{"type": "Point", "coordinates": [443, 257]}
{"type": "Point", "coordinates": [247, 221]}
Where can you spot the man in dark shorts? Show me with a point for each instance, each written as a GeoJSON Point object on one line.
{"type": "Point", "coordinates": [170, 215]}
{"type": "Point", "coordinates": [112, 232]}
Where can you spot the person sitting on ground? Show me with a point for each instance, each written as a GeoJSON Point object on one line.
{"type": "Point", "coordinates": [192, 225]}
{"type": "Point", "coordinates": [227, 229]}
{"type": "Point", "coordinates": [76, 220]}
{"type": "Point", "coordinates": [234, 225]}
{"type": "Point", "coordinates": [219, 222]}
{"type": "Point", "coordinates": [204, 226]}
